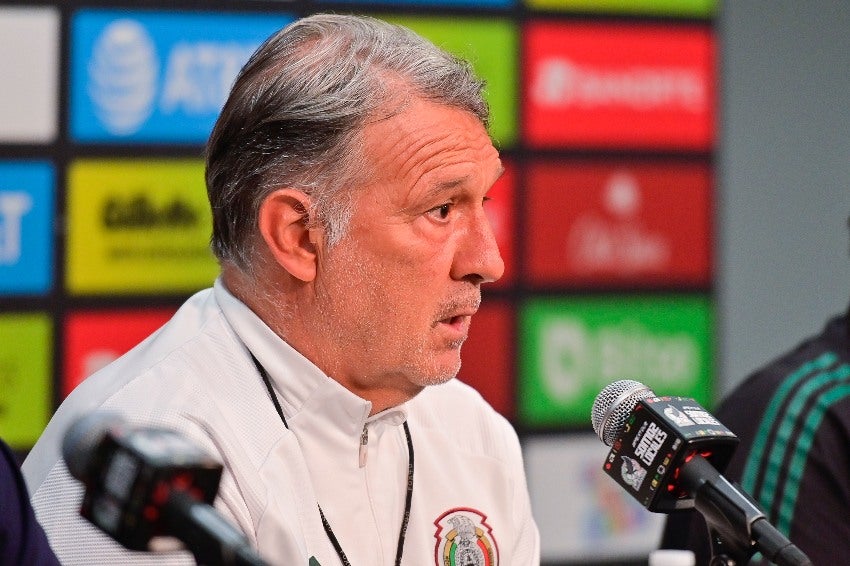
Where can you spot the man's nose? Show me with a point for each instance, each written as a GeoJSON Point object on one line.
{"type": "Point", "coordinates": [478, 258]}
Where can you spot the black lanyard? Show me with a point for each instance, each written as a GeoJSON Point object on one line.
{"type": "Point", "coordinates": [328, 530]}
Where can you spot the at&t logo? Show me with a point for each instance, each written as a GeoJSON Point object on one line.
{"type": "Point", "coordinates": [13, 206]}
{"type": "Point", "coordinates": [123, 77]}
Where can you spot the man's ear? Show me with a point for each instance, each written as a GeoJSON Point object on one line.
{"type": "Point", "coordinates": [284, 225]}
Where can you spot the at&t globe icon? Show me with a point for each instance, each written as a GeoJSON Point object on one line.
{"type": "Point", "coordinates": [123, 77]}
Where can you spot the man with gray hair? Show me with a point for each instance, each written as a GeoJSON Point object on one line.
{"type": "Point", "coordinates": [347, 176]}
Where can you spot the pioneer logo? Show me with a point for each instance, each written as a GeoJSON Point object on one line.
{"type": "Point", "coordinates": [141, 212]}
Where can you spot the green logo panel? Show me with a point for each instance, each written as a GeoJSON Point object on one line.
{"type": "Point", "coordinates": [26, 392]}
{"type": "Point", "coordinates": [138, 226]}
{"type": "Point", "coordinates": [674, 8]}
{"type": "Point", "coordinates": [492, 46]}
{"type": "Point", "coordinates": [572, 347]}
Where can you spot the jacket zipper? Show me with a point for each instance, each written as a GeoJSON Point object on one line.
{"type": "Point", "coordinates": [364, 441]}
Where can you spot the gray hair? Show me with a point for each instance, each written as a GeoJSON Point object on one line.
{"type": "Point", "coordinates": [296, 111]}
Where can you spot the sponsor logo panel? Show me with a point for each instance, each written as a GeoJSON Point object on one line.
{"type": "Point", "coordinates": [27, 193]}
{"type": "Point", "coordinates": [91, 341]}
{"type": "Point", "coordinates": [26, 401]}
{"type": "Point", "coordinates": [584, 515]}
{"type": "Point", "coordinates": [492, 46]}
{"type": "Point", "coordinates": [675, 8]}
{"type": "Point", "coordinates": [601, 85]}
{"type": "Point", "coordinates": [619, 224]}
{"type": "Point", "coordinates": [572, 347]}
{"type": "Point", "coordinates": [486, 355]}
{"type": "Point", "coordinates": [29, 67]}
{"type": "Point", "coordinates": [138, 226]}
{"type": "Point", "coordinates": [157, 76]}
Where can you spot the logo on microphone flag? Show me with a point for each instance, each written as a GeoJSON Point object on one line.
{"type": "Point", "coordinates": [633, 473]}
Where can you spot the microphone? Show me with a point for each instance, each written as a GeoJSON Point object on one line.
{"type": "Point", "coordinates": [666, 452]}
{"type": "Point", "coordinates": [145, 482]}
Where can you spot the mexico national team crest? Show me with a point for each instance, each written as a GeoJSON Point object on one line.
{"type": "Point", "coordinates": [465, 539]}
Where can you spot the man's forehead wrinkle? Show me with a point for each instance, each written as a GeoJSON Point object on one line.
{"type": "Point", "coordinates": [410, 154]}
{"type": "Point", "coordinates": [438, 186]}
{"type": "Point", "coordinates": [452, 145]}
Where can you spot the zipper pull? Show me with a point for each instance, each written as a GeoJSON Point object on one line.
{"type": "Point", "coordinates": [364, 441]}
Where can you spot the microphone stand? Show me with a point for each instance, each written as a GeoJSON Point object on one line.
{"type": "Point", "coordinates": [737, 531]}
{"type": "Point", "coordinates": [212, 540]}
{"type": "Point", "coordinates": [724, 553]}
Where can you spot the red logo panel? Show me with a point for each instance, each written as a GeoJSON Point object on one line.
{"type": "Point", "coordinates": [619, 86]}
{"type": "Point", "coordinates": [595, 223]}
{"type": "Point", "coordinates": [94, 339]}
{"type": "Point", "coordinates": [486, 356]}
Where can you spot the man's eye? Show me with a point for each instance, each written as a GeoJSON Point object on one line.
{"type": "Point", "coordinates": [441, 212]}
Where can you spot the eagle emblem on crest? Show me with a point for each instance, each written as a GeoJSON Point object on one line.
{"type": "Point", "coordinates": [465, 539]}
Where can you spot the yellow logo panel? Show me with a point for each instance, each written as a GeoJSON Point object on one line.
{"type": "Point", "coordinates": [138, 227]}
{"type": "Point", "coordinates": [26, 392]}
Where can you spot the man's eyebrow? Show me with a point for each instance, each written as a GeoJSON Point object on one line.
{"type": "Point", "coordinates": [443, 186]}
{"type": "Point", "coordinates": [437, 190]}
{"type": "Point", "coordinates": [448, 185]}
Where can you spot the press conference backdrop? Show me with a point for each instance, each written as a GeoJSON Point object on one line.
{"type": "Point", "coordinates": [783, 170]}
{"type": "Point", "coordinates": [605, 112]}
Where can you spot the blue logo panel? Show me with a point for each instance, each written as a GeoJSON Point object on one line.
{"type": "Point", "coordinates": [157, 77]}
{"type": "Point", "coordinates": [27, 192]}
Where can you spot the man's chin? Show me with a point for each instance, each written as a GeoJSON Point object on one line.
{"type": "Point", "coordinates": [440, 375]}
{"type": "Point", "coordinates": [435, 368]}
{"type": "Point", "coordinates": [435, 379]}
